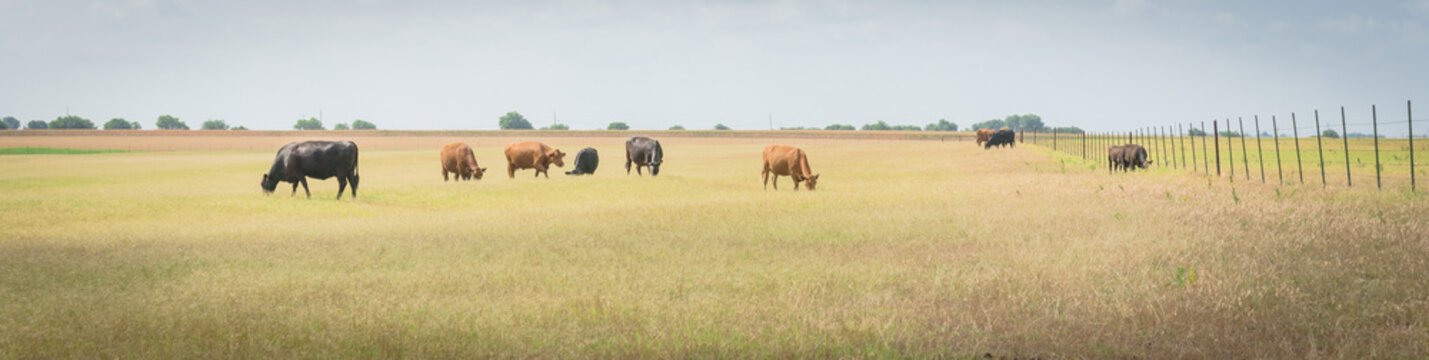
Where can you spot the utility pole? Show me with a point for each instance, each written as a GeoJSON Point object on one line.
{"type": "Point", "coordinates": [771, 121]}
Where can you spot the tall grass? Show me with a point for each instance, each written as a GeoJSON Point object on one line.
{"type": "Point", "coordinates": [916, 249]}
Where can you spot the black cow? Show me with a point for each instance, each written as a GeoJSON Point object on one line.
{"type": "Point", "coordinates": [643, 151]}
{"type": "Point", "coordinates": [314, 159]}
{"type": "Point", "coordinates": [1132, 156]}
{"type": "Point", "coordinates": [586, 162]}
{"type": "Point", "coordinates": [1002, 137]}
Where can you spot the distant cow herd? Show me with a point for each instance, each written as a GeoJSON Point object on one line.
{"type": "Point", "coordinates": [321, 160]}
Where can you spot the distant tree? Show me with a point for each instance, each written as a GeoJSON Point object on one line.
{"type": "Point", "coordinates": [677, 127]}
{"type": "Point", "coordinates": [1330, 134]}
{"type": "Point", "coordinates": [796, 128]}
{"type": "Point", "coordinates": [880, 125]}
{"type": "Point", "coordinates": [1228, 133]}
{"type": "Point", "coordinates": [167, 122]}
{"type": "Point", "coordinates": [214, 124]}
{"type": "Point", "coordinates": [557, 126]}
{"type": "Point", "coordinates": [71, 122]}
{"type": "Point", "coordinates": [1032, 122]}
{"type": "Point", "coordinates": [721, 127]}
{"type": "Point", "coordinates": [118, 124]}
{"type": "Point", "coordinates": [840, 127]}
{"type": "Point", "coordinates": [239, 127]}
{"type": "Point", "coordinates": [341, 126]}
{"type": "Point", "coordinates": [1196, 132]}
{"type": "Point", "coordinates": [4, 125]}
{"type": "Point", "coordinates": [617, 126]}
{"type": "Point", "coordinates": [1067, 130]}
{"type": "Point", "coordinates": [993, 124]}
{"type": "Point", "coordinates": [360, 124]}
{"type": "Point", "coordinates": [311, 123]}
{"type": "Point", "coordinates": [514, 121]}
{"type": "Point", "coordinates": [13, 123]}
{"type": "Point", "coordinates": [942, 125]}
{"type": "Point", "coordinates": [37, 125]}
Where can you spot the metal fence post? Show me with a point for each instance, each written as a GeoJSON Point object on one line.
{"type": "Point", "coordinates": [1295, 127]}
{"type": "Point", "coordinates": [1259, 150]}
{"type": "Point", "coordinates": [1409, 106]}
{"type": "Point", "coordinates": [1345, 136]}
{"type": "Point", "coordinates": [1216, 127]}
{"type": "Point", "coordinates": [1193, 149]}
{"type": "Point", "coordinates": [1374, 120]}
{"type": "Point", "coordinates": [1275, 131]}
{"type": "Point", "coordinates": [1320, 144]}
{"type": "Point", "coordinates": [1244, 159]}
{"type": "Point", "coordinates": [1205, 153]}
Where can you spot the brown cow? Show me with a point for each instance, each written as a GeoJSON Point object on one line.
{"type": "Point", "coordinates": [532, 155]}
{"type": "Point", "coordinates": [983, 135]}
{"type": "Point", "coordinates": [788, 161]}
{"type": "Point", "coordinates": [458, 159]}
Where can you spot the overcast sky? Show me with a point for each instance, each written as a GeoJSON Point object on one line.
{"type": "Point", "coordinates": [1101, 65]}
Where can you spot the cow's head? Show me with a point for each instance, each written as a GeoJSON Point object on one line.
{"type": "Point", "coordinates": [269, 184]}
{"type": "Point", "coordinates": [811, 181]}
{"type": "Point", "coordinates": [478, 173]}
{"type": "Point", "coordinates": [557, 157]}
{"type": "Point", "coordinates": [654, 167]}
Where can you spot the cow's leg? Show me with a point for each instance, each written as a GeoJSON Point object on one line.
{"type": "Point", "coordinates": [341, 186]}
{"type": "Point", "coordinates": [305, 187]}
{"type": "Point", "coordinates": [511, 170]}
{"type": "Point", "coordinates": [796, 183]}
{"type": "Point", "coordinates": [444, 174]}
{"type": "Point", "coordinates": [764, 176]}
{"type": "Point", "coordinates": [627, 166]}
{"type": "Point", "coordinates": [295, 189]}
{"type": "Point", "coordinates": [776, 181]}
{"type": "Point", "coordinates": [637, 169]}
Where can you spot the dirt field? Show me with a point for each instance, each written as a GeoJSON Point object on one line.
{"type": "Point", "coordinates": [925, 249]}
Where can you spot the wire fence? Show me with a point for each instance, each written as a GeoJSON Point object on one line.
{"type": "Point", "coordinates": [1345, 149]}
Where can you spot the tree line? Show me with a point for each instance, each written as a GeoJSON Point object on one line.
{"type": "Point", "coordinates": [166, 122]}
{"type": "Point", "coordinates": [1031, 122]}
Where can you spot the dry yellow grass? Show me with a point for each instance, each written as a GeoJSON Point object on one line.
{"type": "Point", "coordinates": [919, 249]}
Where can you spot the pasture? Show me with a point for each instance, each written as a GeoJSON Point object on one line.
{"type": "Point", "coordinates": [908, 249]}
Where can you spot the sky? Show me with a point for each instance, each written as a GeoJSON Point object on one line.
{"type": "Point", "coordinates": [1106, 65]}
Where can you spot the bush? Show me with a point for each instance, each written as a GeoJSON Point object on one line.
{"type": "Point", "coordinates": [617, 126]}
{"type": "Point", "coordinates": [360, 124]}
{"type": "Point", "coordinates": [677, 127]}
{"type": "Point", "coordinates": [840, 127]}
{"type": "Point", "coordinates": [240, 127]}
{"type": "Point", "coordinates": [215, 124]}
{"type": "Point", "coordinates": [514, 121]}
{"type": "Point", "coordinates": [721, 127]}
{"type": "Point", "coordinates": [557, 127]}
{"type": "Point", "coordinates": [942, 125]}
{"type": "Point", "coordinates": [119, 124]}
{"type": "Point", "coordinates": [1196, 132]}
{"type": "Point", "coordinates": [71, 122]}
{"type": "Point", "coordinates": [37, 125]}
{"type": "Point", "coordinates": [309, 124]}
{"type": "Point", "coordinates": [167, 122]}
{"type": "Point", "coordinates": [1330, 134]}
{"type": "Point", "coordinates": [341, 126]}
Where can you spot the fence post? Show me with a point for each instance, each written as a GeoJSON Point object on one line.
{"type": "Point", "coordinates": [1344, 135]}
{"type": "Point", "coordinates": [1205, 153]}
{"type": "Point", "coordinates": [1295, 129]}
{"type": "Point", "coordinates": [1084, 145]}
{"type": "Point", "coordinates": [1409, 105]}
{"type": "Point", "coordinates": [1170, 146]}
{"type": "Point", "coordinates": [1320, 144]}
{"type": "Point", "coordinates": [1230, 150]}
{"type": "Point", "coordinates": [1181, 136]}
{"type": "Point", "coordinates": [1021, 135]}
{"type": "Point", "coordinates": [1244, 159]}
{"type": "Point", "coordinates": [1216, 127]}
{"type": "Point", "coordinates": [1275, 131]}
{"type": "Point", "coordinates": [1374, 120]}
{"type": "Point", "coordinates": [1259, 149]}
{"type": "Point", "coordinates": [1054, 139]}
{"type": "Point", "coordinates": [1193, 150]}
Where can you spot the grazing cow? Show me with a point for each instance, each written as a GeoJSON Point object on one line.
{"type": "Point", "coordinates": [983, 135]}
{"type": "Point", "coordinates": [1134, 156]}
{"type": "Point", "coordinates": [532, 155]}
{"type": "Point", "coordinates": [643, 151]}
{"type": "Point", "coordinates": [1000, 138]}
{"type": "Point", "coordinates": [458, 159]}
{"type": "Point", "coordinates": [586, 162]}
{"type": "Point", "coordinates": [1113, 156]}
{"type": "Point", "coordinates": [788, 161]}
{"type": "Point", "coordinates": [296, 162]}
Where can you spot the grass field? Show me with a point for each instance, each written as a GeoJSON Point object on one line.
{"type": "Point", "coordinates": [908, 249]}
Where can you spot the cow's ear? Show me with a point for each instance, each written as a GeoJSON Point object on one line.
{"type": "Point", "coordinates": [815, 177]}
{"type": "Point", "coordinates": [265, 177]}
{"type": "Point", "coordinates": [482, 169]}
